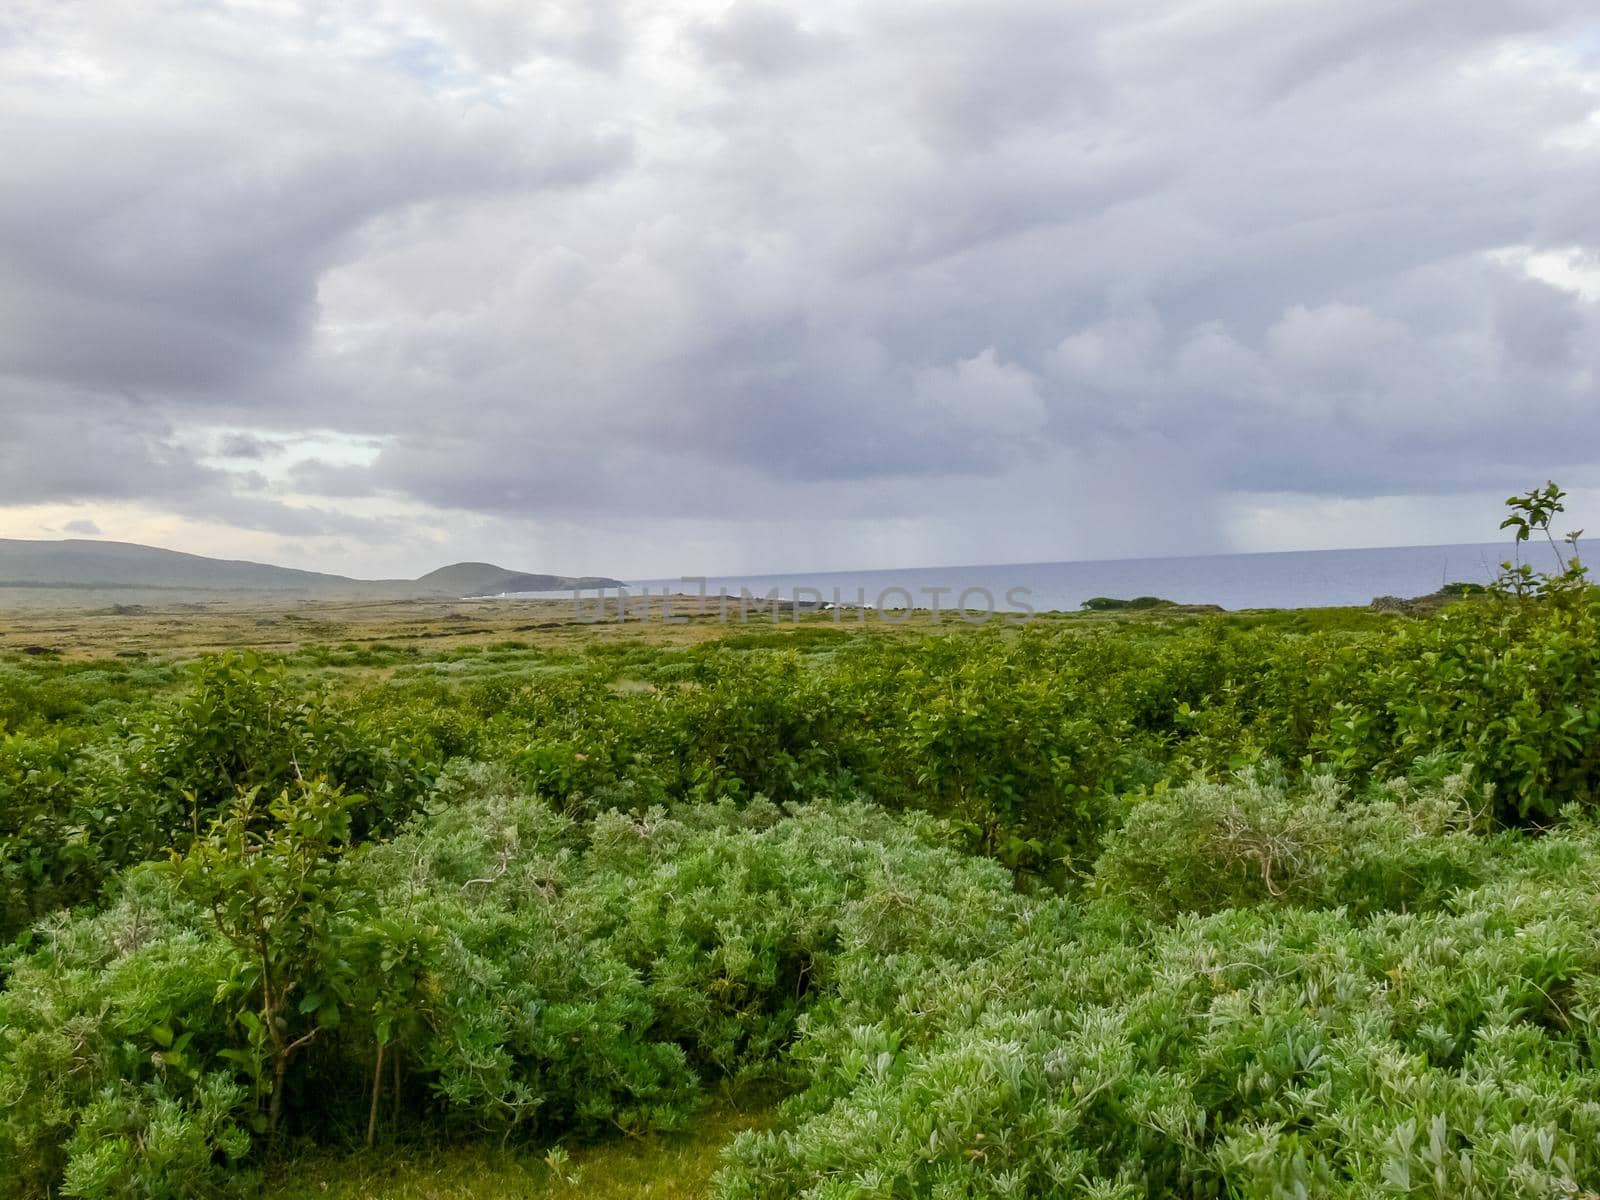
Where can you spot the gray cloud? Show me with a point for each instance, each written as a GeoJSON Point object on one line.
{"type": "Point", "coordinates": [246, 445]}
{"type": "Point", "coordinates": [596, 262]}
{"type": "Point", "coordinates": [761, 39]}
{"type": "Point", "coordinates": [167, 214]}
{"type": "Point", "coordinates": [60, 447]}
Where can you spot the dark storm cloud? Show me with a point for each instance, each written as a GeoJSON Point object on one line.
{"type": "Point", "coordinates": [639, 259]}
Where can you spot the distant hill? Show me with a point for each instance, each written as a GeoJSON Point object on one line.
{"type": "Point", "coordinates": [486, 579]}
{"type": "Point", "coordinates": [86, 565]}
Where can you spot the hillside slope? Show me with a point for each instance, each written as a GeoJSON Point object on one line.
{"type": "Point", "coordinates": [84, 565]}
{"type": "Point", "coordinates": [486, 579]}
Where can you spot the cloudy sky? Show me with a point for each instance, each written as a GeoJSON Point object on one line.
{"type": "Point", "coordinates": [646, 287]}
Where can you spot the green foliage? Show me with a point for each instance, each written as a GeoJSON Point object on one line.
{"type": "Point", "coordinates": [1003, 742]}
{"type": "Point", "coordinates": [532, 976]}
{"type": "Point", "coordinates": [1511, 684]}
{"type": "Point", "coordinates": [80, 801]}
{"type": "Point", "coordinates": [142, 1142]}
{"type": "Point", "coordinates": [1261, 1052]}
{"type": "Point", "coordinates": [54, 836]}
{"type": "Point", "coordinates": [1207, 846]}
{"type": "Point", "coordinates": [1531, 514]}
{"type": "Point", "coordinates": [243, 725]}
{"type": "Point", "coordinates": [114, 1036]}
{"type": "Point", "coordinates": [1254, 910]}
{"type": "Point", "coordinates": [268, 877]}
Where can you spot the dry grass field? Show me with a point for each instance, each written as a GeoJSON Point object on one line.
{"type": "Point", "coordinates": [182, 629]}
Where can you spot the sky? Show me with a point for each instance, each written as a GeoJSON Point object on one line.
{"type": "Point", "coordinates": [669, 287]}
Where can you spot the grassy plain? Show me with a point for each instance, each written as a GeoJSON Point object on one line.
{"type": "Point", "coordinates": [165, 630]}
{"type": "Point", "coordinates": [168, 631]}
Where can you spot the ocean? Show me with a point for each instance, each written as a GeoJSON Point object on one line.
{"type": "Point", "coordinates": [1290, 579]}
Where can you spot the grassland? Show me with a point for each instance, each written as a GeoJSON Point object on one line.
{"type": "Point", "coordinates": [173, 631]}
{"type": "Point", "coordinates": [162, 630]}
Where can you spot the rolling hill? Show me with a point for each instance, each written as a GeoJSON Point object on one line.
{"type": "Point", "coordinates": [486, 579]}
{"type": "Point", "coordinates": [80, 565]}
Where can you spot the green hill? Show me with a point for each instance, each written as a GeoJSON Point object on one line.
{"type": "Point", "coordinates": [486, 579]}
{"type": "Point", "coordinates": [80, 565]}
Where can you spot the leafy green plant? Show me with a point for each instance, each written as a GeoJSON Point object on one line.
{"type": "Point", "coordinates": [1206, 846]}
{"type": "Point", "coordinates": [1510, 683]}
{"type": "Point", "coordinates": [243, 724]}
{"type": "Point", "coordinates": [1532, 513]}
{"type": "Point", "coordinates": [114, 1075]}
{"type": "Point", "coordinates": [1259, 1052]}
{"type": "Point", "coordinates": [267, 874]}
{"type": "Point", "coordinates": [57, 847]}
{"type": "Point", "coordinates": [142, 1142]}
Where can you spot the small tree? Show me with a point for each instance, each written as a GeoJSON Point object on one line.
{"type": "Point", "coordinates": [1530, 514]}
{"type": "Point", "coordinates": [267, 874]}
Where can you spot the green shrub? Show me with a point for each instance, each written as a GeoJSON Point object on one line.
{"type": "Point", "coordinates": [142, 1142]}
{"type": "Point", "coordinates": [242, 725]}
{"type": "Point", "coordinates": [1260, 1052]}
{"type": "Point", "coordinates": [52, 854]}
{"type": "Point", "coordinates": [267, 875]}
{"type": "Point", "coordinates": [663, 944]}
{"type": "Point", "coordinates": [113, 1032]}
{"type": "Point", "coordinates": [1207, 846]}
{"type": "Point", "coordinates": [78, 803]}
{"type": "Point", "coordinates": [526, 974]}
{"type": "Point", "coordinates": [1511, 684]}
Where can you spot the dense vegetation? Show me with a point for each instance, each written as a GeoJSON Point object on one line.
{"type": "Point", "coordinates": [1297, 904]}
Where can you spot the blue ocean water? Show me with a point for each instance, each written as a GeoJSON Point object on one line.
{"type": "Point", "coordinates": [1291, 579]}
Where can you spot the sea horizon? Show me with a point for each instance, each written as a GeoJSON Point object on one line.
{"type": "Point", "coordinates": [1261, 579]}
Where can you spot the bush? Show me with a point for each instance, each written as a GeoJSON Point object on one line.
{"type": "Point", "coordinates": [77, 804]}
{"type": "Point", "coordinates": [530, 975]}
{"type": "Point", "coordinates": [243, 725]}
{"type": "Point", "coordinates": [1511, 684]}
{"type": "Point", "coordinates": [112, 1042]}
{"type": "Point", "coordinates": [142, 1142]}
{"type": "Point", "coordinates": [1207, 846]}
{"type": "Point", "coordinates": [53, 851]}
{"type": "Point", "coordinates": [1260, 1052]}
{"type": "Point", "coordinates": [665, 947]}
